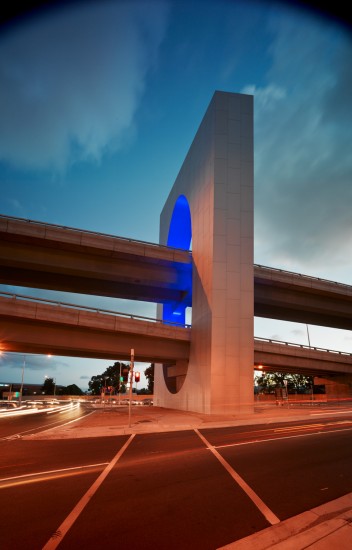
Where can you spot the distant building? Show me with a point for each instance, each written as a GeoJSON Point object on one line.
{"type": "Point", "coordinates": [28, 389]}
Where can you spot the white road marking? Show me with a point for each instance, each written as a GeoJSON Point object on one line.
{"type": "Point", "coordinates": [66, 423]}
{"type": "Point", "coordinates": [59, 534]}
{"type": "Point", "coordinates": [262, 507]}
{"type": "Point", "coordinates": [329, 413]}
{"type": "Point", "coordinates": [300, 427]}
{"type": "Point", "coordinates": [282, 437]}
{"type": "Point", "coordinates": [34, 429]}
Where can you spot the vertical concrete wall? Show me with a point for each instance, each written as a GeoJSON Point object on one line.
{"type": "Point", "coordinates": [337, 387]}
{"type": "Point", "coordinates": [217, 180]}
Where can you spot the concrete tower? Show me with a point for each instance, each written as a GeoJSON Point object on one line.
{"type": "Point", "coordinates": [210, 209]}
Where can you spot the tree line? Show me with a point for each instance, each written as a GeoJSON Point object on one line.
{"type": "Point", "coordinates": [267, 382]}
{"type": "Point", "coordinates": [50, 388]}
{"type": "Point", "coordinates": [111, 383]}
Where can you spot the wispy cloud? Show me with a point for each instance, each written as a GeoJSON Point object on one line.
{"type": "Point", "coordinates": [71, 81]}
{"type": "Point", "coordinates": [303, 143]}
{"type": "Point", "coordinates": [31, 362]}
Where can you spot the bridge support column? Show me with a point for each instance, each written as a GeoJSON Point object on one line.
{"type": "Point", "coordinates": [338, 386]}
{"type": "Point", "coordinates": [216, 180]}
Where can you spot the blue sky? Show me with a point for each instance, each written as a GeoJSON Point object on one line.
{"type": "Point", "coordinates": [99, 103]}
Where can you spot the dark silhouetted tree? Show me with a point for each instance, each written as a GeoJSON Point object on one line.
{"type": "Point", "coordinates": [110, 378]}
{"type": "Point", "coordinates": [49, 386]}
{"type": "Point", "coordinates": [72, 389]}
{"type": "Point", "coordinates": [149, 374]}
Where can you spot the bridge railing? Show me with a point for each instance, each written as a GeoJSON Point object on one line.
{"type": "Point", "coordinates": [127, 239]}
{"type": "Point", "coordinates": [90, 308]}
{"type": "Point", "coordinates": [303, 276]}
{"type": "Point", "coordinates": [154, 320]}
{"type": "Point", "coordinates": [89, 232]}
{"type": "Point", "coordinates": [301, 346]}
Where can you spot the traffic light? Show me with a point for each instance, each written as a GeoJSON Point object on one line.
{"type": "Point", "coordinates": [137, 376]}
{"type": "Point", "coordinates": [125, 375]}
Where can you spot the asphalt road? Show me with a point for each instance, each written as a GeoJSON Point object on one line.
{"type": "Point", "coordinates": [12, 425]}
{"type": "Point", "coordinates": [175, 490]}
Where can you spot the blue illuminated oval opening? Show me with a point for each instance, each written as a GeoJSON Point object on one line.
{"type": "Point", "coordinates": [180, 236]}
{"type": "Point", "coordinates": [180, 231]}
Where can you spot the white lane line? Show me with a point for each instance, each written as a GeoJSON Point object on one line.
{"type": "Point", "coordinates": [64, 424]}
{"type": "Point", "coordinates": [34, 432]}
{"type": "Point", "coordinates": [57, 537]}
{"type": "Point", "coordinates": [295, 436]}
{"type": "Point", "coordinates": [262, 507]}
{"type": "Point", "coordinates": [330, 413]}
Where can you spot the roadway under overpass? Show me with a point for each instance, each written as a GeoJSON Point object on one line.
{"type": "Point", "coordinates": [39, 326]}
{"type": "Point", "coordinates": [39, 255]}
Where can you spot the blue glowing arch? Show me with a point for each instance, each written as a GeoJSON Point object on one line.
{"type": "Point", "coordinates": [180, 236]}
{"type": "Point", "coordinates": [180, 231]}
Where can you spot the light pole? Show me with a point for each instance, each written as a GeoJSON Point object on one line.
{"type": "Point", "coordinates": [131, 383]}
{"type": "Point", "coordinates": [21, 390]}
{"type": "Point", "coordinates": [288, 403]}
{"type": "Point", "coordinates": [120, 383]}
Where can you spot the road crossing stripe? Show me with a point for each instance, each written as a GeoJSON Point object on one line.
{"type": "Point", "coordinates": [57, 537]}
{"type": "Point", "coordinates": [262, 507]}
{"type": "Point", "coordinates": [301, 427]}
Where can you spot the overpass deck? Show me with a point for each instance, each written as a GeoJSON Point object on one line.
{"type": "Point", "coordinates": [280, 294]}
{"type": "Point", "coordinates": [39, 255]}
{"type": "Point", "coordinates": [32, 325]}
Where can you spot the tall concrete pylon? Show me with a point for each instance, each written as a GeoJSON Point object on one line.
{"type": "Point", "coordinates": [210, 209]}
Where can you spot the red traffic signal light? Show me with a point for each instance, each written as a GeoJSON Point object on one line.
{"type": "Point", "coordinates": [137, 376]}
{"type": "Point", "coordinates": [125, 375]}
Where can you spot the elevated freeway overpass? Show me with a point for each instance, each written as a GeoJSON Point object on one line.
{"type": "Point", "coordinates": [32, 325]}
{"type": "Point", "coordinates": [40, 255]}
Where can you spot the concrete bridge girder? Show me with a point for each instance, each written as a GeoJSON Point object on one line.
{"type": "Point", "coordinates": [43, 256]}
{"type": "Point", "coordinates": [296, 359]}
{"type": "Point", "coordinates": [44, 328]}
{"type": "Point", "coordinates": [94, 264]}
{"type": "Point", "coordinates": [329, 304]}
{"type": "Point", "coordinates": [34, 327]}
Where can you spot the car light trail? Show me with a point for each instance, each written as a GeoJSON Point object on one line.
{"type": "Point", "coordinates": [50, 474]}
